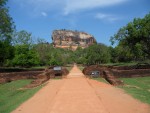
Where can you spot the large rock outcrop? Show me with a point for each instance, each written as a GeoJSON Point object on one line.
{"type": "Point", "coordinates": [71, 39]}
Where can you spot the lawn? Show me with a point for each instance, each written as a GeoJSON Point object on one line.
{"type": "Point", "coordinates": [11, 97]}
{"type": "Point", "coordinates": [139, 88]}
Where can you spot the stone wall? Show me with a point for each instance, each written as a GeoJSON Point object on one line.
{"type": "Point", "coordinates": [8, 77]}
{"type": "Point", "coordinates": [104, 72]}
{"type": "Point", "coordinates": [130, 73]}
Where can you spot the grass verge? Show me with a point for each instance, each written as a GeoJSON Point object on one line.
{"type": "Point", "coordinates": [139, 88]}
{"type": "Point", "coordinates": [11, 97]}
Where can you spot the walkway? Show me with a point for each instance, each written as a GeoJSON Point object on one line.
{"type": "Point", "coordinates": [77, 94]}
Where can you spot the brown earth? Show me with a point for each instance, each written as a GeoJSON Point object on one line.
{"type": "Point", "coordinates": [78, 94]}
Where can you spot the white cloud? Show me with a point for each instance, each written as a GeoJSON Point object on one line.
{"type": "Point", "coordinates": [67, 6]}
{"type": "Point", "coordinates": [44, 14]}
{"type": "Point", "coordinates": [77, 5]}
{"type": "Point", "coordinates": [102, 16]}
{"type": "Point", "coordinates": [106, 17]}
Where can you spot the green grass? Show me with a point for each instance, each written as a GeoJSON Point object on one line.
{"type": "Point", "coordinates": [101, 80]}
{"type": "Point", "coordinates": [11, 97]}
{"type": "Point", "coordinates": [139, 88]}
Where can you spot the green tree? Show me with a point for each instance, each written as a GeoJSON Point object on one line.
{"type": "Point", "coordinates": [120, 54]}
{"type": "Point", "coordinates": [97, 54]}
{"type": "Point", "coordinates": [136, 37]}
{"type": "Point", "coordinates": [25, 55]}
{"type": "Point", "coordinates": [54, 62]}
{"type": "Point", "coordinates": [79, 56]}
{"type": "Point", "coordinates": [43, 49]}
{"type": "Point", "coordinates": [23, 38]}
{"type": "Point", "coordinates": [53, 56]}
{"type": "Point", "coordinates": [6, 29]}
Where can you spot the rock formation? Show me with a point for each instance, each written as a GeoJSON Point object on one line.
{"type": "Point", "coordinates": [71, 39]}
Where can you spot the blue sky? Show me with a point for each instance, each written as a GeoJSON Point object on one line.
{"type": "Point", "coordinates": [101, 18]}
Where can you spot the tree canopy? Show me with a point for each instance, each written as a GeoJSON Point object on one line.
{"type": "Point", "coordinates": [25, 55]}
{"type": "Point", "coordinates": [97, 54]}
{"type": "Point", "coordinates": [135, 38]}
{"type": "Point", "coordinates": [6, 29]}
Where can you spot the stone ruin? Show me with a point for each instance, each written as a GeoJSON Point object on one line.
{"type": "Point", "coordinates": [104, 72]}
{"type": "Point", "coordinates": [112, 73]}
{"type": "Point", "coordinates": [39, 76]}
{"type": "Point", "coordinates": [71, 39]}
{"type": "Point", "coordinates": [138, 70]}
{"type": "Point", "coordinates": [49, 73]}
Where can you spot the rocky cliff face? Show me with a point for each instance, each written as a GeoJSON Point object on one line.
{"type": "Point", "coordinates": [71, 39]}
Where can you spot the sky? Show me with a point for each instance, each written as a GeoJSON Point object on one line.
{"type": "Point", "coordinates": [100, 18]}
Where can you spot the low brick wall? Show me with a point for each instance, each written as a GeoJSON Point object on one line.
{"type": "Point", "coordinates": [8, 77]}
{"type": "Point", "coordinates": [130, 67]}
{"type": "Point", "coordinates": [130, 73]}
{"type": "Point", "coordinates": [104, 72]}
{"type": "Point", "coordinates": [39, 76]}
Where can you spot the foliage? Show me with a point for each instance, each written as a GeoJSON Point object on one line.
{"type": "Point", "coordinates": [134, 38]}
{"type": "Point", "coordinates": [22, 38]}
{"type": "Point", "coordinates": [6, 52]}
{"type": "Point", "coordinates": [120, 54]}
{"type": "Point", "coordinates": [6, 29]}
{"type": "Point", "coordinates": [6, 23]}
{"type": "Point", "coordinates": [49, 55]}
{"type": "Point", "coordinates": [11, 97]}
{"type": "Point", "coordinates": [56, 56]}
{"type": "Point", "coordinates": [25, 56]}
{"type": "Point", "coordinates": [43, 49]}
{"type": "Point", "coordinates": [79, 56]}
{"type": "Point", "coordinates": [97, 54]}
{"type": "Point", "coordinates": [138, 88]}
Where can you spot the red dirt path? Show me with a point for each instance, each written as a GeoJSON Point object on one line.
{"type": "Point", "coordinates": [77, 94]}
